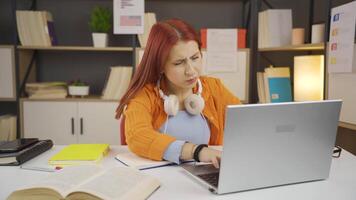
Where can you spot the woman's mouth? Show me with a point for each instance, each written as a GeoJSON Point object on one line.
{"type": "Point", "coordinates": [192, 80]}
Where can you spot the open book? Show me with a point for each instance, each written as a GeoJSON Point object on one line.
{"type": "Point", "coordinates": [90, 182]}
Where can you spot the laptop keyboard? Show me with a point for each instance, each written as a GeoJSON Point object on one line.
{"type": "Point", "coordinates": [211, 178]}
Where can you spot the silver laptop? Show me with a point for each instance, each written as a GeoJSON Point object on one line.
{"type": "Point", "coordinates": [275, 144]}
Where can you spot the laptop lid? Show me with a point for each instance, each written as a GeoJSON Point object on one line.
{"type": "Point", "coordinates": [267, 145]}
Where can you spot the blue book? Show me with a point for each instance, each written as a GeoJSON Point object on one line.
{"type": "Point", "coordinates": [280, 89]}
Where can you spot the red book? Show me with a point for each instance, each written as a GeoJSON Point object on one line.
{"type": "Point", "coordinates": [241, 38]}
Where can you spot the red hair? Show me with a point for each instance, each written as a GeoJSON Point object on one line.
{"type": "Point", "coordinates": [163, 36]}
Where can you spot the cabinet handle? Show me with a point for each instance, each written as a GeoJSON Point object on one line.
{"type": "Point", "coordinates": [81, 126]}
{"type": "Point", "coordinates": [72, 119]}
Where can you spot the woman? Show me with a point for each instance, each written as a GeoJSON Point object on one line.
{"type": "Point", "coordinates": [170, 111]}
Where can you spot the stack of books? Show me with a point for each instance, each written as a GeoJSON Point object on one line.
{"type": "Point", "coordinates": [35, 28]}
{"type": "Point", "coordinates": [8, 127]}
{"type": "Point", "coordinates": [47, 90]}
{"type": "Point", "coordinates": [18, 151]}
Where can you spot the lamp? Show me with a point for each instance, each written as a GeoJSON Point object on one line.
{"type": "Point", "coordinates": [308, 77]}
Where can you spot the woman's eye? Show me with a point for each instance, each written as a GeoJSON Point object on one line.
{"type": "Point", "coordinates": [176, 64]}
{"type": "Point", "coordinates": [196, 57]}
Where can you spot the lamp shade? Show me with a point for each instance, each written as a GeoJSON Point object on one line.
{"type": "Point", "coordinates": [308, 78]}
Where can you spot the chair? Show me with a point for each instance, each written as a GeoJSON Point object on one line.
{"type": "Point", "coordinates": [122, 131]}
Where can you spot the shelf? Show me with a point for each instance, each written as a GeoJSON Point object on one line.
{"type": "Point", "coordinates": [75, 48]}
{"type": "Point", "coordinates": [303, 47]}
{"type": "Point", "coordinates": [85, 99]}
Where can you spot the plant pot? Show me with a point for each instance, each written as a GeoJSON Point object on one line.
{"type": "Point", "coordinates": [78, 90]}
{"type": "Point", "coordinates": [100, 39]}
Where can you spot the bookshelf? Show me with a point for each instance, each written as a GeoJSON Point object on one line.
{"type": "Point", "coordinates": [283, 55]}
{"type": "Point", "coordinates": [76, 48]}
{"type": "Point", "coordinates": [303, 47]}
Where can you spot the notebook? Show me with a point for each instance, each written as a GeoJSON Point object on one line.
{"type": "Point", "coordinates": [131, 160]}
{"type": "Point", "coordinates": [75, 154]}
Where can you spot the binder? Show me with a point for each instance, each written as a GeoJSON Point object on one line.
{"type": "Point", "coordinates": [17, 158]}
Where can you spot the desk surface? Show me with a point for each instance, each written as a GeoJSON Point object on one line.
{"type": "Point", "coordinates": [177, 184]}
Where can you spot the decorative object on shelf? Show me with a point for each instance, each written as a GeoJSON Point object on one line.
{"type": "Point", "coordinates": [297, 36]}
{"type": "Point", "coordinates": [78, 88]}
{"type": "Point", "coordinates": [100, 23]}
{"type": "Point", "coordinates": [308, 78]}
{"type": "Point", "coordinates": [317, 33]}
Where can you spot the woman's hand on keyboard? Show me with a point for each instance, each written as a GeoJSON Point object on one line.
{"type": "Point", "coordinates": [210, 155]}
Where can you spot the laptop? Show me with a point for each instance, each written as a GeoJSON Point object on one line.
{"type": "Point", "coordinates": [268, 145]}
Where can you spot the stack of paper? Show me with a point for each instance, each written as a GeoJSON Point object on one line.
{"type": "Point", "coordinates": [117, 83]}
{"type": "Point", "coordinates": [274, 28]}
{"type": "Point", "coordinates": [46, 90]}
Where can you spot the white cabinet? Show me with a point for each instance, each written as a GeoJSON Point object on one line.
{"type": "Point", "coordinates": [67, 122]}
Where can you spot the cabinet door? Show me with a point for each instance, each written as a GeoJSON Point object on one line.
{"type": "Point", "coordinates": [50, 120]}
{"type": "Point", "coordinates": [97, 123]}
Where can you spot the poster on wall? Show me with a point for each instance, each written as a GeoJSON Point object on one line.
{"type": "Point", "coordinates": [341, 39]}
{"type": "Point", "coordinates": [129, 16]}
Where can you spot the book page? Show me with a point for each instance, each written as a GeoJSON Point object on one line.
{"type": "Point", "coordinates": [67, 178]}
{"type": "Point", "coordinates": [123, 182]}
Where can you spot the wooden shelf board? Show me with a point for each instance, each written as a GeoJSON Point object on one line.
{"type": "Point", "coordinates": [76, 48]}
{"type": "Point", "coordinates": [304, 47]}
{"type": "Point", "coordinates": [69, 98]}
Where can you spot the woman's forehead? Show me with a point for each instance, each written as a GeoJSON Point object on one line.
{"type": "Point", "coordinates": [183, 49]}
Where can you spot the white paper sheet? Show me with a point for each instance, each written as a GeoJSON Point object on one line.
{"type": "Point", "coordinates": [341, 44]}
{"type": "Point", "coordinates": [128, 16]}
{"type": "Point", "coordinates": [221, 39]}
{"type": "Point", "coordinates": [224, 61]}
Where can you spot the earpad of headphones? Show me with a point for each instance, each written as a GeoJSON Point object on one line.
{"type": "Point", "coordinates": [194, 104]}
{"type": "Point", "coordinates": [171, 105]}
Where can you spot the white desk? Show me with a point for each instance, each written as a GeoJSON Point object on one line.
{"type": "Point", "coordinates": [176, 184]}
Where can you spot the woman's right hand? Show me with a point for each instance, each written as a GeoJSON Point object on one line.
{"type": "Point", "coordinates": [210, 155]}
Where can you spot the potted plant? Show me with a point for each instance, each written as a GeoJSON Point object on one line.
{"type": "Point", "coordinates": [78, 88]}
{"type": "Point", "coordinates": [100, 24]}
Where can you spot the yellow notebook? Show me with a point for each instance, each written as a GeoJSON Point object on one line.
{"type": "Point", "coordinates": [75, 154]}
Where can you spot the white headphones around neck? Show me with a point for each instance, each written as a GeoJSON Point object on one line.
{"type": "Point", "coordinates": [194, 103]}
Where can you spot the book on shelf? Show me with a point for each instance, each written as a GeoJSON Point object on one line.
{"type": "Point", "coordinates": [77, 154]}
{"type": "Point", "coordinates": [274, 28]}
{"type": "Point", "coordinates": [8, 127]}
{"type": "Point", "coordinates": [117, 82]}
{"type": "Point", "coordinates": [20, 157]}
{"type": "Point", "coordinates": [132, 160]}
{"type": "Point", "coordinates": [7, 72]}
{"type": "Point", "coordinates": [149, 21]}
{"type": "Point", "coordinates": [35, 28]}
{"type": "Point", "coordinates": [241, 38]}
{"type": "Point", "coordinates": [277, 84]}
{"type": "Point", "coordinates": [46, 90]}
{"type": "Point", "coordinates": [261, 88]}
{"type": "Point", "coordinates": [90, 182]}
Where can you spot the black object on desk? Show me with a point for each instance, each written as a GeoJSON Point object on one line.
{"type": "Point", "coordinates": [19, 157]}
{"type": "Point", "coordinates": [17, 145]}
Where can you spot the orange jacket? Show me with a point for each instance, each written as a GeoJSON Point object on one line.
{"type": "Point", "coordinates": [145, 114]}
